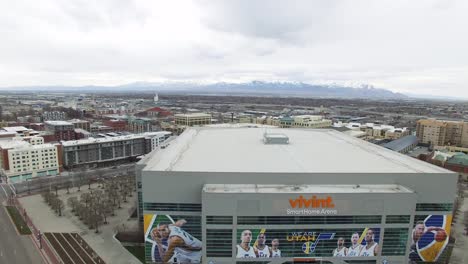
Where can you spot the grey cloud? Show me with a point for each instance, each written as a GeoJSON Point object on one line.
{"type": "Point", "coordinates": [273, 19]}
{"type": "Point", "coordinates": [395, 44]}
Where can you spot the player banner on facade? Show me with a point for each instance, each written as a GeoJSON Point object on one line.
{"type": "Point", "coordinates": [263, 243]}
{"type": "Point", "coordinates": [430, 238]}
{"type": "Point", "coordinates": [170, 239]}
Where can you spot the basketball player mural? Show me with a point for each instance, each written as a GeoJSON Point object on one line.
{"type": "Point", "coordinates": [275, 251]}
{"type": "Point", "coordinates": [371, 248]}
{"type": "Point", "coordinates": [175, 245]}
{"type": "Point", "coordinates": [260, 247]}
{"type": "Point", "coordinates": [244, 250]}
{"type": "Point", "coordinates": [429, 238]}
{"type": "Point", "coordinates": [340, 250]}
{"type": "Point", "coordinates": [355, 248]}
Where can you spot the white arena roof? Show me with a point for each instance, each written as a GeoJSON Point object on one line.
{"type": "Point", "coordinates": [206, 149]}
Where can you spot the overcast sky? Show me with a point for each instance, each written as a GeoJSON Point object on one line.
{"type": "Point", "coordinates": [418, 46]}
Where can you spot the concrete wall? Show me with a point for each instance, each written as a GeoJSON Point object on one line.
{"type": "Point", "coordinates": [186, 187]}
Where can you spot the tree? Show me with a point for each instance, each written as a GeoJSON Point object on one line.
{"type": "Point", "coordinates": [46, 196]}
{"type": "Point", "coordinates": [59, 205]}
{"type": "Point", "coordinates": [100, 177]}
{"type": "Point", "coordinates": [67, 185]}
{"type": "Point", "coordinates": [80, 178]}
{"type": "Point", "coordinates": [106, 209]}
{"type": "Point", "coordinates": [86, 199]}
{"type": "Point", "coordinates": [73, 203]}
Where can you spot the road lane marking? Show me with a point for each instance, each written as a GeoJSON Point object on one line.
{"type": "Point", "coordinates": [12, 188]}
{"type": "Point", "coordinates": [6, 194]}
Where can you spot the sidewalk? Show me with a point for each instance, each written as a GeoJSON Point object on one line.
{"type": "Point", "coordinates": [103, 243]}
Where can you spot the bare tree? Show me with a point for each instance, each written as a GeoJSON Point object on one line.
{"type": "Point", "coordinates": [80, 178]}
{"type": "Point", "coordinates": [59, 205]}
{"type": "Point", "coordinates": [106, 209]}
{"type": "Point", "coordinates": [73, 202]}
{"type": "Point", "coordinates": [67, 185]}
{"type": "Point", "coordinates": [46, 196]}
{"type": "Point", "coordinates": [100, 177]}
{"type": "Point", "coordinates": [86, 199]}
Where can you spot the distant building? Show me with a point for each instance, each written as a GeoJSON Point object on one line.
{"type": "Point", "coordinates": [192, 119]}
{"type": "Point", "coordinates": [5, 135]}
{"type": "Point", "coordinates": [158, 112]}
{"type": "Point", "coordinates": [20, 131]}
{"type": "Point", "coordinates": [62, 130]}
{"type": "Point", "coordinates": [116, 125]}
{"type": "Point", "coordinates": [101, 129]}
{"type": "Point", "coordinates": [376, 131]}
{"type": "Point", "coordinates": [109, 150]}
{"type": "Point", "coordinates": [458, 163]}
{"type": "Point", "coordinates": [54, 116]}
{"type": "Point", "coordinates": [82, 124]}
{"type": "Point", "coordinates": [81, 133]}
{"type": "Point", "coordinates": [156, 98]}
{"type": "Point", "coordinates": [21, 160]}
{"type": "Point", "coordinates": [402, 145]}
{"type": "Point", "coordinates": [139, 125]}
{"type": "Point", "coordinates": [305, 121]}
{"type": "Point", "coordinates": [440, 132]}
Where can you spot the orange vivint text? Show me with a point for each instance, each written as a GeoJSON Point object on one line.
{"type": "Point", "coordinates": [313, 202]}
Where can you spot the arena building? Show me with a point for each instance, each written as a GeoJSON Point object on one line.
{"type": "Point", "coordinates": [273, 195]}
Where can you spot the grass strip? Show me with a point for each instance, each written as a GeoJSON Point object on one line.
{"type": "Point", "coordinates": [20, 224]}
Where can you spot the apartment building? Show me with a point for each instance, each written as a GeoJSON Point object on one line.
{"type": "Point", "coordinates": [54, 116]}
{"type": "Point", "coordinates": [21, 160]}
{"type": "Point", "coordinates": [376, 131]}
{"type": "Point", "coordinates": [193, 119]}
{"type": "Point", "coordinates": [110, 150]}
{"type": "Point", "coordinates": [81, 124]}
{"type": "Point", "coordinates": [62, 130]}
{"type": "Point", "coordinates": [311, 121]}
{"type": "Point", "coordinates": [441, 132]}
{"type": "Point", "coordinates": [19, 131]}
{"type": "Point", "coordinates": [139, 125]}
{"type": "Point", "coordinates": [116, 125]}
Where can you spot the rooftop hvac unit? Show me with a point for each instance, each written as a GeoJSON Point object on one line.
{"type": "Point", "coordinates": [275, 138]}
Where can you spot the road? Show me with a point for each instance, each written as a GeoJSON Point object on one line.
{"type": "Point", "coordinates": [39, 184]}
{"type": "Point", "coordinates": [13, 247]}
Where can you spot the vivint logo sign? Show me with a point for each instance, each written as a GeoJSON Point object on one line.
{"type": "Point", "coordinates": [311, 206]}
{"type": "Point", "coordinates": [313, 202]}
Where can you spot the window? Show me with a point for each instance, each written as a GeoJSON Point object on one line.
{"type": "Point", "coordinates": [218, 242]}
{"type": "Point", "coordinates": [183, 207]}
{"type": "Point", "coordinates": [397, 219]}
{"type": "Point", "coordinates": [395, 241]}
{"type": "Point", "coordinates": [218, 220]}
{"type": "Point", "coordinates": [434, 207]}
{"type": "Point", "coordinates": [306, 220]}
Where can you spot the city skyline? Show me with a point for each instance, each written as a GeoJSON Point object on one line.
{"type": "Point", "coordinates": [411, 48]}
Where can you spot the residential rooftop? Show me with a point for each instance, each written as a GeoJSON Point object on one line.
{"type": "Point", "coordinates": [105, 139]}
{"type": "Point", "coordinates": [401, 143]}
{"type": "Point", "coordinates": [281, 188]}
{"type": "Point", "coordinates": [193, 115]}
{"type": "Point", "coordinates": [16, 129]}
{"type": "Point", "coordinates": [211, 149]}
{"type": "Point", "coordinates": [21, 144]}
{"type": "Point", "coordinates": [58, 123]}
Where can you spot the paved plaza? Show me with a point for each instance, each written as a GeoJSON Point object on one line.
{"type": "Point", "coordinates": [104, 243]}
